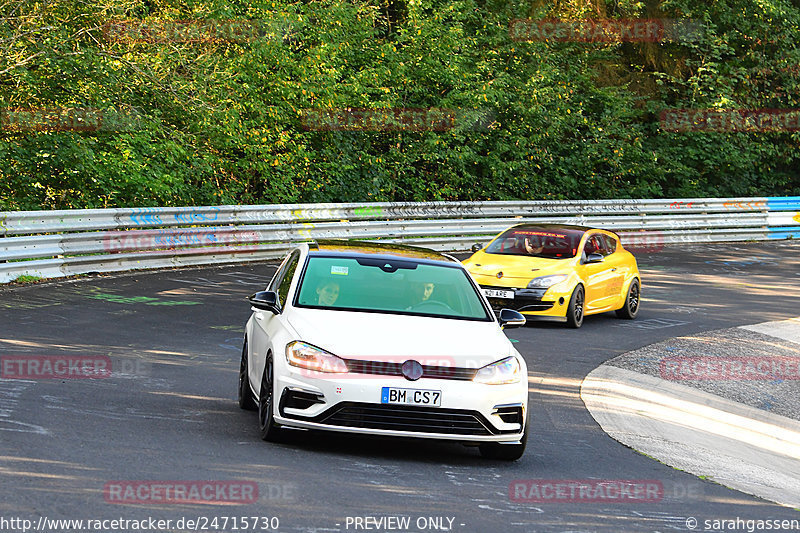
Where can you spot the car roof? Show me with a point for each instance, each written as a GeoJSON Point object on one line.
{"type": "Point", "coordinates": [366, 248]}
{"type": "Point", "coordinates": [563, 227]}
{"type": "Point", "coordinates": [553, 227]}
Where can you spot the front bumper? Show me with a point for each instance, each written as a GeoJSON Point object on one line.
{"type": "Point", "coordinates": [531, 302]}
{"type": "Point", "coordinates": [471, 412]}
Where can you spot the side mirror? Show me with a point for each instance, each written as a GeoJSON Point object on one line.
{"type": "Point", "coordinates": [594, 258]}
{"type": "Point", "coordinates": [511, 319]}
{"type": "Point", "coordinates": [266, 301]}
{"type": "Point", "coordinates": [476, 247]}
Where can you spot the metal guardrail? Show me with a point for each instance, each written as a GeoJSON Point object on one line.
{"type": "Point", "coordinates": [63, 243]}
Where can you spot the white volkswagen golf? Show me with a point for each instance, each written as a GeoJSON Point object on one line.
{"type": "Point", "coordinates": [386, 340]}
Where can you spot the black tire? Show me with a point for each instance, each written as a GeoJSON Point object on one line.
{"type": "Point", "coordinates": [576, 306]}
{"type": "Point", "coordinates": [269, 430]}
{"type": "Point", "coordinates": [506, 452]}
{"type": "Point", "coordinates": [632, 301]}
{"type": "Point", "coordinates": [246, 400]}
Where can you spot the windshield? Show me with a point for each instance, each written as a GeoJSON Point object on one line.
{"type": "Point", "coordinates": [551, 243]}
{"type": "Point", "coordinates": [390, 285]}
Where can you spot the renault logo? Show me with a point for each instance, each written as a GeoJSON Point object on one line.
{"type": "Point", "coordinates": [411, 370]}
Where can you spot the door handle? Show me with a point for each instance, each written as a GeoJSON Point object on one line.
{"type": "Point", "coordinates": [614, 269]}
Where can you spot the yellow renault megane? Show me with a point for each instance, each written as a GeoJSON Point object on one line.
{"type": "Point", "coordinates": [558, 272]}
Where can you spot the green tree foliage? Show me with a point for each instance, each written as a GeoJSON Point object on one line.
{"type": "Point", "coordinates": [190, 119]}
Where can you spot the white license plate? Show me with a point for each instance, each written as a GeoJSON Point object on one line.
{"type": "Point", "coordinates": [411, 396]}
{"type": "Point", "coordinates": [494, 293]}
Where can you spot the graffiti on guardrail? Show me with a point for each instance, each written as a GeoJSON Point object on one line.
{"type": "Point", "coordinates": [197, 217]}
{"type": "Point", "coordinates": [155, 216]}
{"type": "Point", "coordinates": [281, 213]}
{"type": "Point", "coordinates": [150, 216]}
{"type": "Point", "coordinates": [146, 216]}
{"type": "Point", "coordinates": [745, 205]}
{"type": "Point", "coordinates": [567, 206]}
{"type": "Point", "coordinates": [444, 210]}
{"type": "Point", "coordinates": [452, 209]}
{"type": "Point", "coordinates": [126, 241]}
{"type": "Point", "coordinates": [368, 211]}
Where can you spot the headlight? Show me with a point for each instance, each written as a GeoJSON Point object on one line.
{"type": "Point", "coordinates": [307, 356]}
{"type": "Point", "coordinates": [499, 373]}
{"type": "Point", "coordinates": [546, 281]}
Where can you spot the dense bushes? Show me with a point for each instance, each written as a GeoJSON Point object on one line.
{"type": "Point", "coordinates": [222, 121]}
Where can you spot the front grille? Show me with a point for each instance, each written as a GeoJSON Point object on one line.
{"type": "Point", "coordinates": [524, 299]}
{"type": "Point", "coordinates": [407, 418]}
{"type": "Point", "coordinates": [387, 368]}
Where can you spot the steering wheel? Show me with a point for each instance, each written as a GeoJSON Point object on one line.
{"type": "Point", "coordinates": [432, 306]}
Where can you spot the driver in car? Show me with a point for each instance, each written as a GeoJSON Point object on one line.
{"type": "Point", "coordinates": [531, 248]}
{"type": "Point", "coordinates": [423, 293]}
{"type": "Point", "coordinates": [427, 290]}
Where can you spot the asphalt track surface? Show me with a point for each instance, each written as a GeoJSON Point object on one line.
{"type": "Point", "coordinates": [168, 411]}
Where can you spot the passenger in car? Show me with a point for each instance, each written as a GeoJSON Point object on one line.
{"type": "Point", "coordinates": [328, 293]}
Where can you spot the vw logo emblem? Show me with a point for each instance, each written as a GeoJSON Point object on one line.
{"type": "Point", "coordinates": [411, 370]}
{"type": "Point", "coordinates": [500, 274]}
